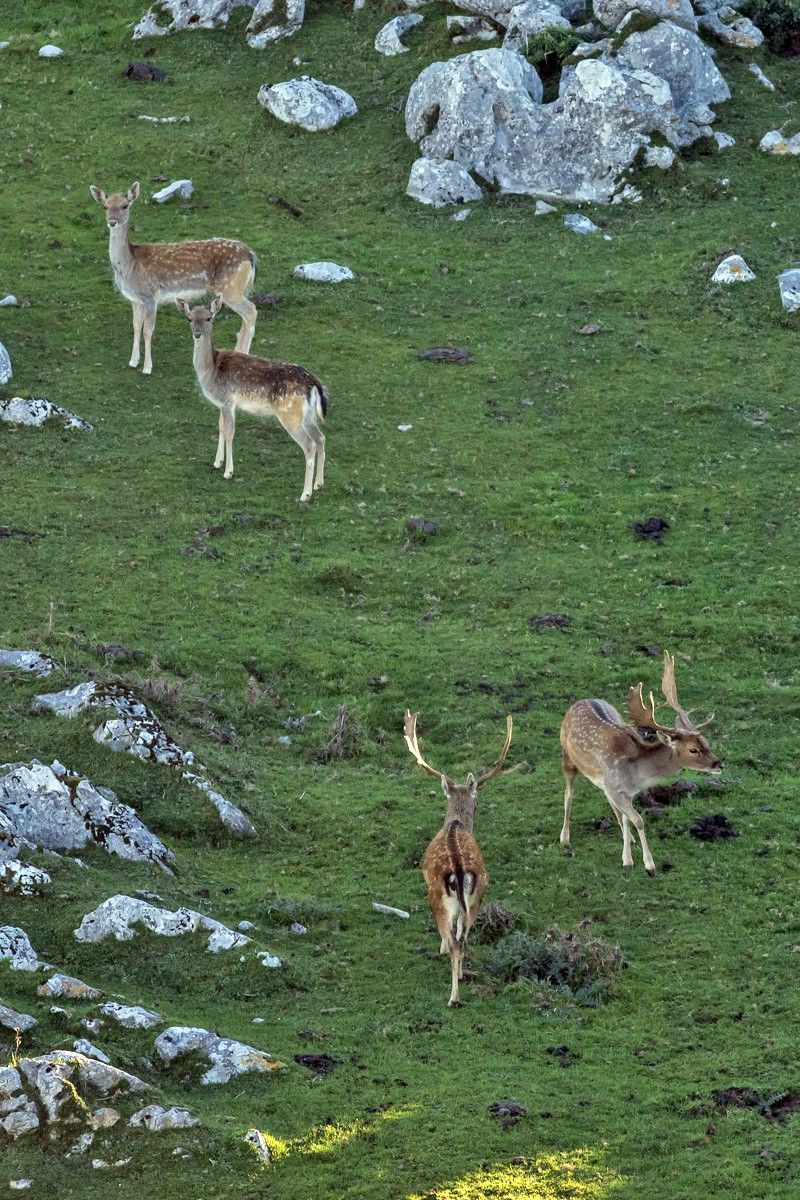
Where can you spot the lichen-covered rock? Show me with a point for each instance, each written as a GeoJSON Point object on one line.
{"type": "Point", "coordinates": [84, 1046]}
{"type": "Point", "coordinates": [12, 1019]}
{"type": "Point", "coordinates": [131, 1016]}
{"type": "Point", "coordinates": [5, 365]}
{"type": "Point", "coordinates": [35, 410]}
{"type": "Point", "coordinates": [774, 142]}
{"type": "Point", "coordinates": [678, 56]}
{"type": "Point", "coordinates": [388, 40]}
{"type": "Point", "coordinates": [117, 916]}
{"type": "Point", "coordinates": [440, 182]}
{"type": "Point", "coordinates": [732, 29]}
{"type": "Point", "coordinates": [228, 1058]}
{"type": "Point", "coordinates": [52, 1079]}
{"type": "Point", "coordinates": [529, 18]}
{"type": "Point", "coordinates": [22, 879]}
{"type": "Point", "coordinates": [67, 987]}
{"type": "Point", "coordinates": [307, 102]}
{"type": "Point", "coordinates": [611, 12]}
{"type": "Point", "coordinates": [470, 29]}
{"type": "Point", "coordinates": [659, 156]}
{"type": "Point", "coordinates": [16, 949]}
{"type": "Point", "coordinates": [323, 272]}
{"type": "Point", "coordinates": [187, 14]}
{"type": "Point", "coordinates": [789, 284]}
{"type": "Point", "coordinates": [273, 20]}
{"type": "Point", "coordinates": [733, 269]}
{"type": "Point", "coordinates": [27, 660]}
{"type": "Point", "coordinates": [502, 11]}
{"type": "Point", "coordinates": [156, 1118]}
{"type": "Point", "coordinates": [55, 809]}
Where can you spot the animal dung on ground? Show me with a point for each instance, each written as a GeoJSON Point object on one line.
{"type": "Point", "coordinates": [709, 828]}
{"type": "Point", "coordinates": [422, 527]}
{"type": "Point", "coordinates": [446, 354]}
{"type": "Point", "coordinates": [321, 1064]}
{"type": "Point", "coordinates": [266, 299]}
{"type": "Point", "coordinates": [775, 1105]}
{"type": "Point", "coordinates": [284, 204]}
{"type": "Point", "coordinates": [550, 621]}
{"type": "Point", "coordinates": [507, 1112]}
{"type": "Point", "coordinates": [145, 72]}
{"type": "Point", "coordinates": [650, 530]}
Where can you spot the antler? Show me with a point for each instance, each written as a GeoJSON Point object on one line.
{"type": "Point", "coordinates": [640, 713]}
{"type": "Point", "coordinates": [498, 769]}
{"type": "Point", "coordinates": [668, 687]}
{"type": "Point", "coordinates": [410, 735]}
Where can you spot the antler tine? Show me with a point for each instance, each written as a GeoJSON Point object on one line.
{"type": "Point", "coordinates": [669, 688]}
{"type": "Point", "coordinates": [498, 768]}
{"type": "Point", "coordinates": [410, 735]}
{"type": "Point", "coordinates": [640, 713]}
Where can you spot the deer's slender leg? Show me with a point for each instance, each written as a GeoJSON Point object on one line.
{"type": "Point", "coordinates": [138, 317]}
{"type": "Point", "coordinates": [228, 429]}
{"type": "Point", "coordinates": [318, 438]}
{"type": "Point", "coordinates": [248, 312]}
{"type": "Point", "coordinates": [570, 771]}
{"type": "Point", "coordinates": [456, 960]}
{"type": "Point", "coordinates": [149, 324]}
{"type": "Point", "coordinates": [220, 443]}
{"type": "Point", "coordinates": [308, 447]}
{"type": "Point", "coordinates": [631, 817]}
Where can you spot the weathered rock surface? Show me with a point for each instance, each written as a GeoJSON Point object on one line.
{"type": "Point", "coordinates": [532, 17]}
{"type": "Point", "coordinates": [578, 223]}
{"type": "Point", "coordinates": [141, 734]}
{"type": "Point", "coordinates": [55, 809]}
{"type": "Point", "coordinates": [228, 1058]}
{"type": "Point", "coordinates": [5, 365]}
{"type": "Point", "coordinates": [611, 12]}
{"type": "Point", "coordinates": [67, 987]}
{"type": "Point", "coordinates": [684, 61]}
{"type": "Point", "coordinates": [43, 1086]}
{"type": "Point", "coordinates": [323, 272]}
{"type": "Point", "coordinates": [27, 660]}
{"type": "Point", "coordinates": [16, 949]}
{"type": "Point", "coordinates": [179, 187]}
{"type": "Point", "coordinates": [35, 410]}
{"type": "Point", "coordinates": [659, 156]}
{"type": "Point", "coordinates": [440, 182]}
{"type": "Point", "coordinates": [732, 29]}
{"type": "Point", "coordinates": [755, 69]}
{"type": "Point", "coordinates": [307, 102]}
{"type": "Point", "coordinates": [84, 1046]}
{"type": "Point", "coordinates": [388, 40]}
{"type": "Point", "coordinates": [22, 879]}
{"type": "Point", "coordinates": [732, 269]}
{"type": "Point", "coordinates": [12, 1019]}
{"type": "Point", "coordinates": [156, 1118]}
{"type": "Point", "coordinates": [789, 284]}
{"type": "Point", "coordinates": [50, 51]}
{"type": "Point", "coordinates": [775, 143]}
{"type": "Point", "coordinates": [131, 1016]}
{"type": "Point", "coordinates": [273, 20]}
{"type": "Point", "coordinates": [470, 29]}
{"type": "Point", "coordinates": [117, 916]}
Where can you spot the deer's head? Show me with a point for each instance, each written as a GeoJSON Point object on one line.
{"type": "Point", "coordinates": [116, 206]}
{"type": "Point", "coordinates": [201, 319]}
{"type": "Point", "coordinates": [690, 749]}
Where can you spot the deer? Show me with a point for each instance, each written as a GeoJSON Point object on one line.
{"type": "Point", "coordinates": [234, 381]}
{"type": "Point", "coordinates": [453, 865]}
{"type": "Point", "coordinates": [149, 274]}
{"type": "Point", "coordinates": [615, 756]}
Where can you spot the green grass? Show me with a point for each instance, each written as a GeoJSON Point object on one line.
{"type": "Point", "coordinates": [683, 405]}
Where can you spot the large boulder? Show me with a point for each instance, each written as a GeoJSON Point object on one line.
{"type": "Point", "coordinates": [271, 19]}
{"type": "Point", "coordinates": [307, 102]}
{"type": "Point", "coordinates": [440, 182]}
{"type": "Point", "coordinates": [532, 17]}
{"type": "Point", "coordinates": [227, 1058]}
{"type": "Point", "coordinates": [679, 57]}
{"type": "Point", "coordinates": [611, 12]}
{"type": "Point", "coordinates": [117, 916]}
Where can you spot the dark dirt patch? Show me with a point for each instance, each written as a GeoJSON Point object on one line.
{"type": "Point", "coordinates": [24, 534]}
{"type": "Point", "coordinates": [563, 1055]}
{"type": "Point", "coordinates": [649, 651]}
{"type": "Point", "coordinates": [775, 1106]}
{"type": "Point", "coordinates": [422, 527]}
{"type": "Point", "coordinates": [111, 651]}
{"type": "Point", "coordinates": [708, 829]}
{"type": "Point", "coordinates": [266, 299]}
{"type": "Point", "coordinates": [508, 1112]}
{"type": "Point", "coordinates": [603, 825]}
{"type": "Point", "coordinates": [550, 621]}
{"type": "Point", "coordinates": [651, 530]}
{"type": "Point", "coordinates": [145, 72]}
{"type": "Point", "coordinates": [279, 202]}
{"type": "Point", "coordinates": [665, 794]}
{"type": "Point", "coordinates": [493, 922]}
{"type": "Point", "coordinates": [321, 1064]}
{"type": "Point", "coordinates": [446, 354]}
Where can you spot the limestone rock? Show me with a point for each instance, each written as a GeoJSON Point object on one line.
{"type": "Point", "coordinates": [659, 156]}
{"type": "Point", "coordinates": [775, 143]}
{"type": "Point", "coordinates": [156, 1118]}
{"type": "Point", "coordinates": [16, 949]}
{"type": "Point", "coordinates": [12, 1019]}
{"type": "Point", "coordinates": [227, 1058]}
{"type": "Point", "coordinates": [35, 410]}
{"type": "Point", "coordinates": [529, 18]}
{"type": "Point", "coordinates": [117, 916]}
{"type": "Point", "coordinates": [440, 181]}
{"type": "Point", "coordinates": [470, 29]}
{"type": "Point", "coordinates": [612, 12]}
{"type": "Point", "coordinates": [179, 187]}
{"type": "Point", "coordinates": [789, 284]}
{"type": "Point", "coordinates": [273, 20]}
{"type": "Point", "coordinates": [131, 1016]}
{"type": "Point", "coordinates": [578, 223]}
{"type": "Point", "coordinates": [5, 365]}
{"type": "Point", "coordinates": [27, 660]}
{"type": "Point", "coordinates": [679, 57]}
{"type": "Point", "coordinates": [52, 1079]}
{"type": "Point", "coordinates": [724, 140]}
{"type": "Point", "coordinates": [323, 272]}
{"type": "Point", "coordinates": [731, 29]}
{"type": "Point", "coordinates": [732, 269]}
{"type": "Point", "coordinates": [49, 51]}
{"type": "Point", "coordinates": [55, 809]}
{"type": "Point", "coordinates": [21, 879]}
{"type": "Point", "coordinates": [67, 987]}
{"type": "Point", "coordinates": [388, 40]}
{"type": "Point", "coordinates": [84, 1046]}
{"type": "Point", "coordinates": [307, 102]}
{"type": "Point", "coordinates": [761, 77]}
{"type": "Point", "coordinates": [187, 14]}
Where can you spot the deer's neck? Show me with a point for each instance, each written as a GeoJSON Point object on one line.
{"type": "Point", "coordinates": [458, 812]}
{"type": "Point", "coordinates": [203, 359]}
{"type": "Point", "coordinates": [120, 250]}
{"type": "Point", "coordinates": [655, 765]}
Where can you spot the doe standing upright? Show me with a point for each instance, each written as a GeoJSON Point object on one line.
{"type": "Point", "coordinates": [149, 274]}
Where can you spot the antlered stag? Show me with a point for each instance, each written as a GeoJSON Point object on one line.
{"type": "Point", "coordinates": [453, 865]}
{"type": "Point", "coordinates": [615, 757]}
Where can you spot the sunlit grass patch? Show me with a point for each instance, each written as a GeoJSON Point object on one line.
{"type": "Point", "coordinates": [577, 1175]}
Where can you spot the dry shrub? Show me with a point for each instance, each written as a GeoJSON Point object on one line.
{"type": "Point", "coordinates": [569, 961]}
{"type": "Point", "coordinates": [493, 922]}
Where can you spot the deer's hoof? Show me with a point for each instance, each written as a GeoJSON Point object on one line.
{"type": "Point", "coordinates": [147, 370]}
{"type": "Point", "coordinates": [454, 1004]}
{"type": "Point", "coordinates": [306, 496]}
{"type": "Point", "coordinates": [651, 871]}
{"type": "Point", "coordinates": [228, 475]}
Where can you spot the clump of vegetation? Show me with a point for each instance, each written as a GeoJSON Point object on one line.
{"type": "Point", "coordinates": [281, 911]}
{"type": "Point", "coordinates": [493, 922]}
{"type": "Point", "coordinates": [569, 961]}
{"type": "Point", "coordinates": [345, 740]}
{"type": "Point", "coordinates": [779, 21]}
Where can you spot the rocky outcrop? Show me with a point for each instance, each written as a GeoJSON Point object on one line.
{"type": "Point", "coordinates": [16, 949]}
{"type": "Point", "coordinates": [28, 660]}
{"type": "Point", "coordinates": [612, 12]}
{"type": "Point", "coordinates": [271, 19]}
{"type": "Point", "coordinates": [307, 102]}
{"type": "Point", "coordinates": [35, 410]}
{"type": "Point", "coordinates": [55, 809]}
{"type": "Point", "coordinates": [42, 1088]}
{"type": "Point", "coordinates": [228, 1058]}
{"type": "Point", "coordinates": [117, 916]}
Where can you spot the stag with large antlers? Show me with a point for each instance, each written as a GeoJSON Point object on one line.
{"type": "Point", "coordinates": [621, 759]}
{"type": "Point", "coordinates": [453, 865]}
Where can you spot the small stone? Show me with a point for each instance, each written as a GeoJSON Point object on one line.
{"type": "Point", "coordinates": [543, 209]}
{"type": "Point", "coordinates": [461, 215]}
{"type": "Point", "coordinates": [104, 1118]}
{"type": "Point", "coordinates": [18, 1185]}
{"type": "Point", "coordinates": [789, 284]}
{"type": "Point", "coordinates": [67, 987]}
{"type": "Point", "coordinates": [180, 187]}
{"type": "Point", "coordinates": [580, 224]}
{"type": "Point", "coordinates": [12, 1019]}
{"type": "Point", "coordinates": [659, 156]}
{"type": "Point", "coordinates": [405, 428]}
{"type": "Point", "coordinates": [157, 1119]}
{"type": "Point", "coordinates": [388, 40]}
{"type": "Point", "coordinates": [246, 926]}
{"type": "Point", "coordinates": [724, 140]}
{"type": "Point", "coordinates": [131, 1016]}
{"type": "Point", "coordinates": [733, 269]}
{"type": "Point", "coordinates": [5, 366]}
{"type": "Point", "coordinates": [440, 182]}
{"type": "Point", "coordinates": [271, 961]}
{"type": "Point", "coordinates": [49, 51]}
{"type": "Point", "coordinates": [323, 272]}
{"type": "Point", "coordinates": [297, 929]}
{"type": "Point", "coordinates": [84, 1046]}
{"type": "Point", "coordinates": [775, 143]}
{"type": "Point", "coordinates": [256, 1139]}
{"type": "Point", "coordinates": [761, 77]}
{"type": "Point", "coordinates": [8, 301]}
{"type": "Point", "coordinates": [284, 740]}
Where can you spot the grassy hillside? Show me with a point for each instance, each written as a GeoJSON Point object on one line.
{"type": "Point", "coordinates": [534, 459]}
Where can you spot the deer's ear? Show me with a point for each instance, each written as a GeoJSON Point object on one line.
{"type": "Point", "coordinates": [667, 739]}
{"type": "Point", "coordinates": [98, 194]}
{"type": "Point", "coordinates": [444, 786]}
{"type": "Point", "coordinates": [182, 307]}
{"type": "Point", "coordinates": [472, 782]}
{"type": "Point", "coordinates": [216, 305]}
{"type": "Point", "coordinates": [133, 192]}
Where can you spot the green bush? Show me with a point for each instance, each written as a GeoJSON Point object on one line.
{"type": "Point", "coordinates": [779, 20]}
{"type": "Point", "coordinates": [574, 965]}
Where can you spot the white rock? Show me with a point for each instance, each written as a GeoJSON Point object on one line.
{"type": "Point", "coordinates": [440, 182]}
{"type": "Point", "coordinates": [389, 910]}
{"type": "Point", "coordinates": [775, 143]}
{"type": "Point", "coordinates": [724, 140]}
{"type": "Point", "coordinates": [263, 28]}
{"type": "Point", "coordinates": [732, 29]}
{"type": "Point", "coordinates": [388, 40]}
{"type": "Point", "coordinates": [117, 916]}
{"type": "Point", "coordinates": [27, 660]}
{"type": "Point", "coordinates": [470, 29]}
{"type": "Point", "coordinates": [51, 1079]}
{"type": "Point", "coordinates": [256, 1139]}
{"type": "Point", "coordinates": [12, 1019]}
{"type": "Point", "coordinates": [156, 1118]}
{"type": "Point", "coordinates": [761, 77]}
{"type": "Point", "coordinates": [528, 19]}
{"type": "Point", "coordinates": [165, 120]}
{"type": "Point", "coordinates": [18, 1185]}
{"type": "Point", "coordinates": [543, 209]}
{"type": "Point", "coordinates": [67, 987]}
{"type": "Point", "coordinates": [21, 879]}
{"type": "Point", "coordinates": [659, 156]}
{"type": "Point", "coordinates": [180, 187]}
{"type": "Point", "coordinates": [16, 949]}
{"type": "Point", "coordinates": [461, 215]}
{"type": "Point", "coordinates": [131, 1016]}
{"type": "Point", "coordinates": [35, 410]}
{"type": "Point", "coordinates": [84, 1046]}
{"type": "Point", "coordinates": [246, 926]}
{"type": "Point", "coordinates": [323, 272]}
{"type": "Point", "coordinates": [8, 301]}
{"type": "Point", "coordinates": [104, 1118]}
{"type": "Point", "coordinates": [580, 224]}
{"type": "Point", "coordinates": [83, 1144]}
{"type": "Point", "coordinates": [732, 269]}
{"type": "Point", "coordinates": [307, 102]}
{"type": "Point", "coordinates": [5, 365]}
{"type": "Point", "coordinates": [271, 961]}
{"type": "Point", "coordinates": [405, 428]}
{"type": "Point", "coordinates": [789, 284]}
{"type": "Point", "coordinates": [49, 51]}
{"type": "Point", "coordinates": [227, 1058]}
{"type": "Point", "coordinates": [4, 44]}
{"type": "Point", "coordinates": [297, 929]}
{"type": "Point", "coordinates": [93, 1024]}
